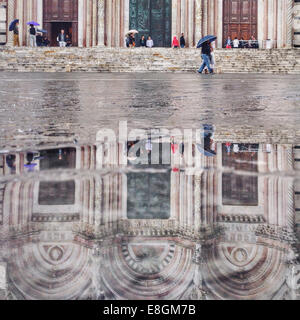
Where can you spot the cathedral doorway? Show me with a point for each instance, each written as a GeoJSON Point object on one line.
{"type": "Point", "coordinates": [239, 19]}
{"type": "Point", "coordinates": [152, 18]}
{"type": "Point", "coordinates": [61, 14]}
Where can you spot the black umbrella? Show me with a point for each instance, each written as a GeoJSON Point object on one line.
{"type": "Point", "coordinates": [205, 39]}
{"type": "Point", "coordinates": [13, 24]}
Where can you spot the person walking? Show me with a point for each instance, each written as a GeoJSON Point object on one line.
{"type": "Point", "coordinates": [32, 36]}
{"type": "Point", "coordinates": [175, 43]}
{"type": "Point", "coordinates": [16, 35]}
{"type": "Point", "coordinates": [182, 41]}
{"type": "Point", "coordinates": [61, 39]}
{"type": "Point", "coordinates": [143, 42]}
{"type": "Point", "coordinates": [149, 43]}
{"type": "Point", "coordinates": [206, 52]}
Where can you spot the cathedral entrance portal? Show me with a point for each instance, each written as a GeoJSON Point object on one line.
{"type": "Point", "coordinates": [61, 14]}
{"type": "Point", "coordinates": [152, 17]}
{"type": "Point", "coordinates": [239, 19]}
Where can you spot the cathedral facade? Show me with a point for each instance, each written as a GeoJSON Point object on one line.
{"type": "Point", "coordinates": [93, 23]}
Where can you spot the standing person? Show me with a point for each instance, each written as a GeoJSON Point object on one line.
{"type": "Point", "coordinates": [61, 39]}
{"type": "Point", "coordinates": [206, 51]}
{"type": "Point", "coordinates": [175, 43]}
{"type": "Point", "coordinates": [182, 41]}
{"type": "Point", "coordinates": [16, 35]}
{"type": "Point", "coordinates": [228, 43]}
{"type": "Point", "coordinates": [143, 42]}
{"type": "Point", "coordinates": [149, 43]}
{"type": "Point", "coordinates": [236, 43]}
{"type": "Point", "coordinates": [32, 36]}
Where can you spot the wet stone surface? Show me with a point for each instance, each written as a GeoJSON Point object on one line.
{"type": "Point", "coordinates": [149, 214]}
{"type": "Point", "coordinates": [38, 108]}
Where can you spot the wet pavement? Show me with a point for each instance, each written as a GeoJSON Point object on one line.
{"type": "Point", "coordinates": [149, 186]}
{"type": "Point", "coordinates": [38, 108]}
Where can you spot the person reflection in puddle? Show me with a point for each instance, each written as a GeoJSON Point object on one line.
{"type": "Point", "coordinates": [11, 163]}
{"type": "Point", "coordinates": [29, 165]}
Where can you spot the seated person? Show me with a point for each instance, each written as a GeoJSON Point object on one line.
{"type": "Point", "coordinates": [68, 41]}
{"type": "Point", "coordinates": [39, 39]}
{"type": "Point", "coordinates": [46, 42]}
{"type": "Point", "coordinates": [253, 43]}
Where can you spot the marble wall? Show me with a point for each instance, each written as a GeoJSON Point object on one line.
{"type": "Point", "coordinates": [105, 22]}
{"type": "Point", "coordinates": [3, 22]}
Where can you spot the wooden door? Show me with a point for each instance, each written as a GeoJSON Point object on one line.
{"type": "Point", "coordinates": [61, 11]}
{"type": "Point", "coordinates": [239, 19]}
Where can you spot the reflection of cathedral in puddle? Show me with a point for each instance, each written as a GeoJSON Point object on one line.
{"type": "Point", "coordinates": [164, 234]}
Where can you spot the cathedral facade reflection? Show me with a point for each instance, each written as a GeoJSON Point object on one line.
{"type": "Point", "coordinates": [221, 228]}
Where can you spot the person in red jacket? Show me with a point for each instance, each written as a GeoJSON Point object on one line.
{"type": "Point", "coordinates": [175, 43]}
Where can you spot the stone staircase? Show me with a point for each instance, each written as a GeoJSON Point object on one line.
{"type": "Point", "coordinates": [146, 60]}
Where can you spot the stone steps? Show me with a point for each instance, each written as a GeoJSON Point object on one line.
{"type": "Point", "coordinates": [145, 60]}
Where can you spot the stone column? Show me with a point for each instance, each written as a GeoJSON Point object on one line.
{"type": "Point", "coordinates": [279, 24]}
{"type": "Point", "coordinates": [211, 17]}
{"type": "Point", "coordinates": [197, 200]}
{"type": "Point", "coordinates": [270, 19]}
{"type": "Point", "coordinates": [101, 8]}
{"type": "Point", "coordinates": [183, 14]}
{"type": "Point", "coordinates": [20, 14]}
{"type": "Point", "coordinates": [126, 17]}
{"type": "Point", "coordinates": [80, 23]}
{"type": "Point", "coordinates": [198, 20]}
{"type": "Point", "coordinates": [40, 12]}
{"type": "Point", "coordinates": [3, 277]}
{"type": "Point", "coordinates": [117, 23]}
{"type": "Point", "coordinates": [89, 23]}
{"type": "Point", "coordinates": [97, 266]}
{"type": "Point", "coordinates": [10, 17]}
{"type": "Point", "coordinates": [261, 21]}
{"type": "Point", "coordinates": [205, 18]}
{"type": "Point", "coordinates": [174, 17]}
{"type": "Point", "coordinates": [109, 13]}
{"type": "Point", "coordinates": [220, 25]}
{"type": "Point", "coordinates": [289, 39]}
{"type": "Point", "coordinates": [94, 28]}
{"type": "Point", "coordinates": [191, 24]}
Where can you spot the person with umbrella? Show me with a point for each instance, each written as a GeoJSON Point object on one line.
{"type": "Point", "coordinates": [32, 36]}
{"type": "Point", "coordinates": [130, 38]}
{"type": "Point", "coordinates": [16, 35]}
{"type": "Point", "coordinates": [14, 26]}
{"type": "Point", "coordinates": [204, 43]}
{"type": "Point", "coordinates": [32, 33]}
